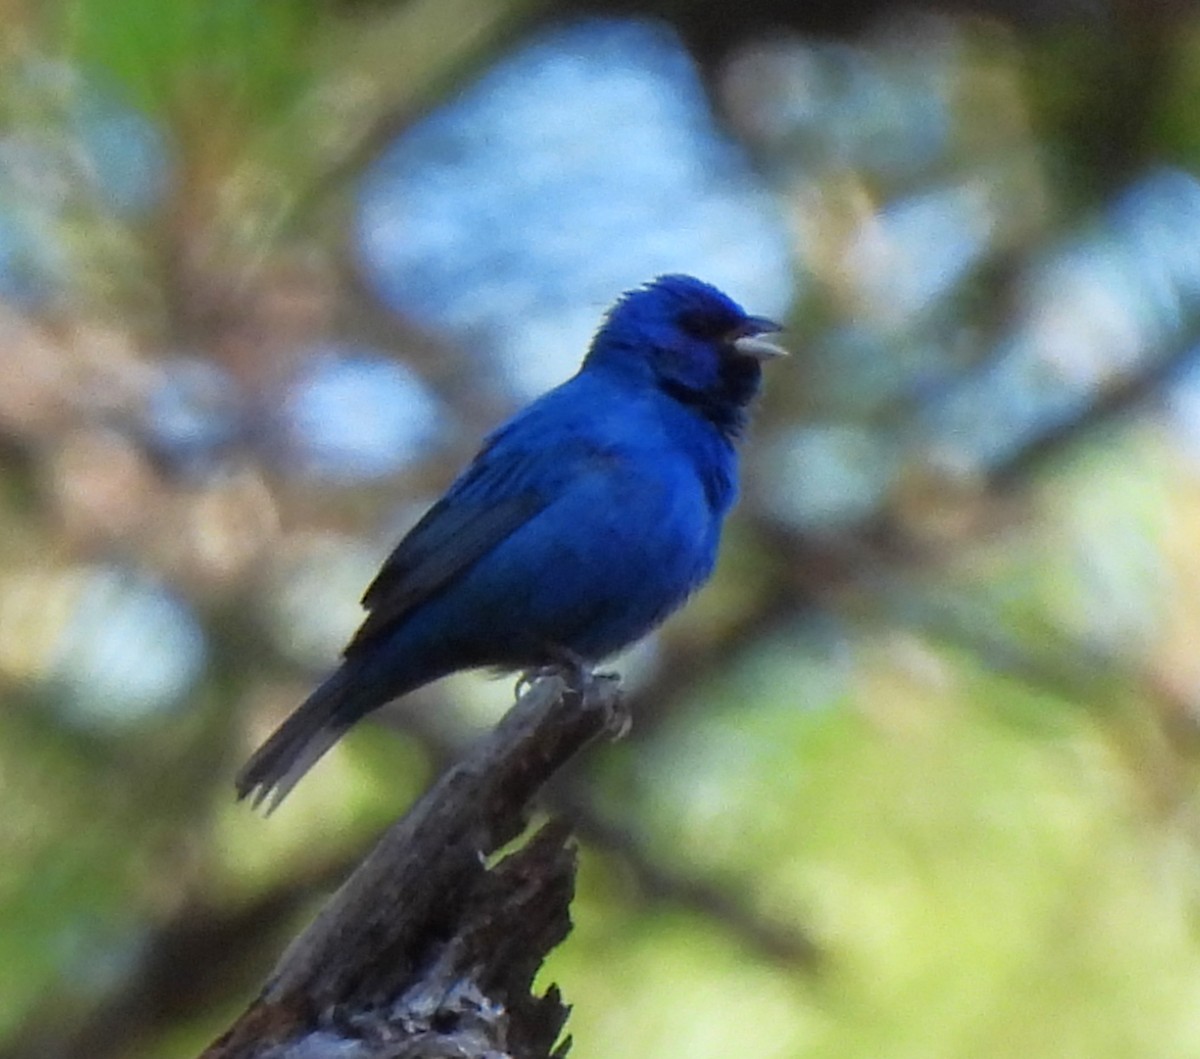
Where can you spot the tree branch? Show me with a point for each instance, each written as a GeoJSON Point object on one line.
{"type": "Point", "coordinates": [425, 950]}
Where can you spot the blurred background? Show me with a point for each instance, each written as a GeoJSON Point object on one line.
{"type": "Point", "coordinates": [916, 776]}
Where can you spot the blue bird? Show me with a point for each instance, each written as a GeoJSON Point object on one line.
{"type": "Point", "coordinates": [581, 524]}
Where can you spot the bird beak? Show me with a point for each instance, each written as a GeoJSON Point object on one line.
{"type": "Point", "coordinates": [754, 345]}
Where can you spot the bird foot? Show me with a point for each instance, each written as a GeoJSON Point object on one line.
{"type": "Point", "coordinates": [526, 680]}
{"type": "Point", "coordinates": [565, 664]}
{"type": "Point", "coordinates": [618, 718]}
{"type": "Point", "coordinates": [603, 688]}
{"type": "Point", "coordinates": [603, 691]}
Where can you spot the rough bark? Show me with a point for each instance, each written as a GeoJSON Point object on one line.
{"type": "Point", "coordinates": [426, 950]}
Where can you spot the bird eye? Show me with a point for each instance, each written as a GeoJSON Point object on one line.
{"type": "Point", "coordinates": [708, 326]}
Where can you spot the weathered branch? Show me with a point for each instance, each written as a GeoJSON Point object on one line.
{"type": "Point", "coordinates": [425, 950]}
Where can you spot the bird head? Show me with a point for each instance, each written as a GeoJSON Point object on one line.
{"type": "Point", "coordinates": [689, 340]}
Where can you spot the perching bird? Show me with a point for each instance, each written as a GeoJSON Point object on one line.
{"type": "Point", "coordinates": [581, 524]}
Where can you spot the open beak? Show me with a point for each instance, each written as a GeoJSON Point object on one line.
{"type": "Point", "coordinates": [754, 345]}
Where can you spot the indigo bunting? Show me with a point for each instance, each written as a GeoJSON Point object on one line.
{"type": "Point", "coordinates": [581, 524]}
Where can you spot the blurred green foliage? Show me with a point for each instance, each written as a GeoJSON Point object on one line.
{"type": "Point", "coordinates": [248, 60]}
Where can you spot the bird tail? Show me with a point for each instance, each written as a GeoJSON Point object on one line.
{"type": "Point", "coordinates": [297, 744]}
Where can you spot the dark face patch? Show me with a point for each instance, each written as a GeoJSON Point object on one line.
{"type": "Point", "coordinates": [714, 324]}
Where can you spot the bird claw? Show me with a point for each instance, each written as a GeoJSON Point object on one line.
{"type": "Point", "coordinates": [602, 686]}
{"type": "Point", "coordinates": [566, 665]}
{"type": "Point", "coordinates": [618, 718]}
{"type": "Point", "coordinates": [526, 680]}
{"type": "Point", "coordinates": [603, 689]}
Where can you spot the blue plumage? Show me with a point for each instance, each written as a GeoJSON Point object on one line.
{"type": "Point", "coordinates": [582, 523]}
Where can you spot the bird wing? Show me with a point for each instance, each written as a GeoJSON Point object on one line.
{"type": "Point", "coordinates": [503, 489]}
